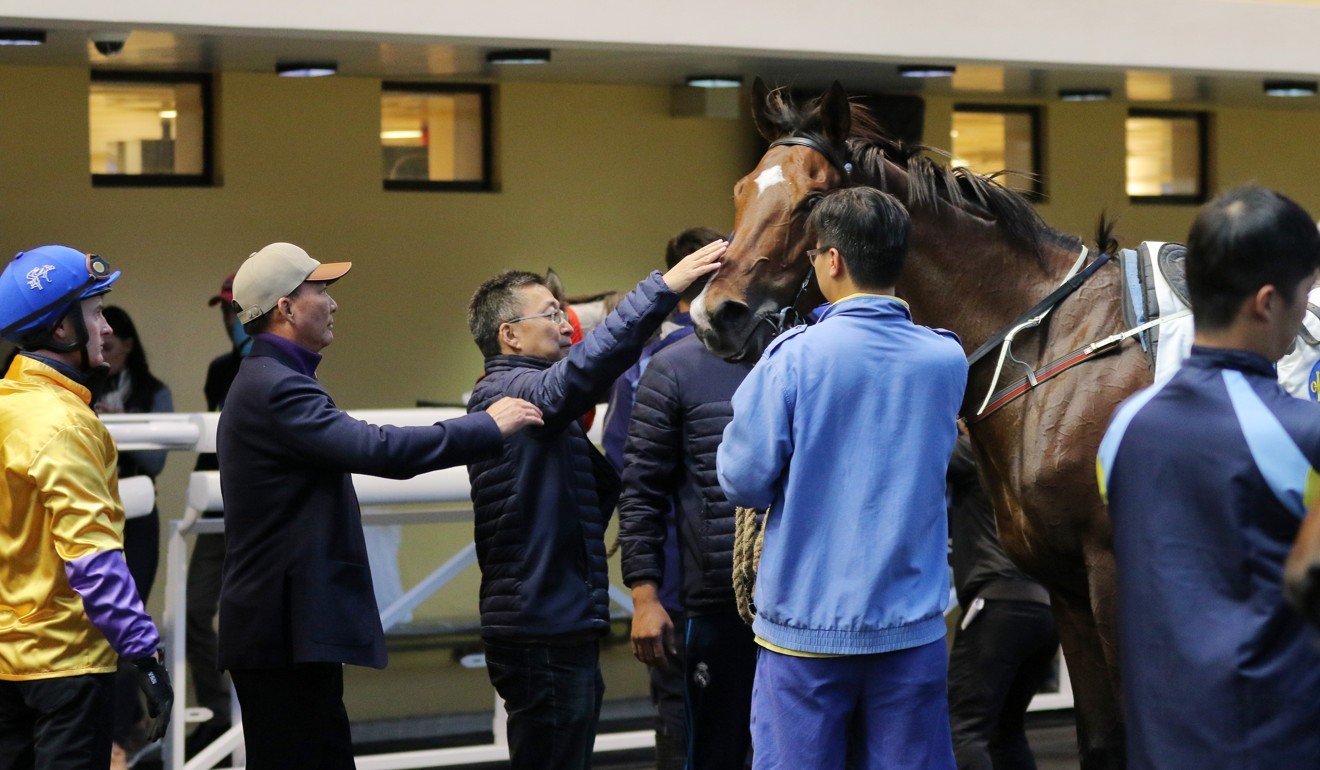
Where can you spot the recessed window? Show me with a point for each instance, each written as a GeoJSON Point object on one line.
{"type": "Point", "coordinates": [1166, 156]}
{"type": "Point", "coordinates": [149, 130]}
{"type": "Point", "coordinates": [992, 138]}
{"type": "Point", "coordinates": [435, 137]}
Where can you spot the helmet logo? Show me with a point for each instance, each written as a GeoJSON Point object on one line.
{"type": "Point", "coordinates": [36, 274]}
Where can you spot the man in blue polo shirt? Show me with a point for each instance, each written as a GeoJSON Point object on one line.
{"type": "Point", "coordinates": [1208, 476]}
{"type": "Point", "coordinates": [844, 430]}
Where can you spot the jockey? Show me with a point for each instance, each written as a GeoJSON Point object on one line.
{"type": "Point", "coordinates": [68, 605]}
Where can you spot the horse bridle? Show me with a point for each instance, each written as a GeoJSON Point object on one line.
{"type": "Point", "coordinates": [780, 322]}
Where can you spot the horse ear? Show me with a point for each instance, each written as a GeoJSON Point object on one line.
{"type": "Point", "coordinates": [836, 115]}
{"type": "Point", "coordinates": [761, 96]}
{"type": "Point", "coordinates": [554, 284]}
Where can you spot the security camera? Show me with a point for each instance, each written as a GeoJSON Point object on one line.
{"type": "Point", "coordinates": [108, 43]}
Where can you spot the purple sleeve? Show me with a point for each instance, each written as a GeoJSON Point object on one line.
{"type": "Point", "coordinates": [111, 601]}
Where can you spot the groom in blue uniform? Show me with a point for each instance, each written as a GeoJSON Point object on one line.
{"type": "Point", "coordinates": [1208, 477]}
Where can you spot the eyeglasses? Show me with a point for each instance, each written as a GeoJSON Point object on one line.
{"type": "Point", "coordinates": [557, 317]}
{"type": "Point", "coordinates": [813, 253]}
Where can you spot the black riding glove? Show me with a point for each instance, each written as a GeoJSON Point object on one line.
{"type": "Point", "coordinates": [155, 683]}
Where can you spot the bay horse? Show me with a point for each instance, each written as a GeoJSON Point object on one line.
{"type": "Point", "coordinates": [979, 256]}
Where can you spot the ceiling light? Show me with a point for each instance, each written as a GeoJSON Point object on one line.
{"type": "Point", "coordinates": [169, 114]}
{"type": "Point", "coordinates": [519, 56]}
{"type": "Point", "coordinates": [303, 69]}
{"type": "Point", "coordinates": [1085, 94]}
{"type": "Point", "coordinates": [927, 70]}
{"type": "Point", "coordinates": [1290, 87]}
{"type": "Point", "coordinates": [413, 134]}
{"type": "Point", "coordinates": [714, 81]}
{"type": "Point", "coordinates": [22, 37]}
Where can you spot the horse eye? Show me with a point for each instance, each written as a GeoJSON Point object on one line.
{"type": "Point", "coordinates": [809, 202]}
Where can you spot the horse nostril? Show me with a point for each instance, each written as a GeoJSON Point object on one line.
{"type": "Point", "coordinates": [730, 315]}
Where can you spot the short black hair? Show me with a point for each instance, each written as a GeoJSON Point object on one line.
{"type": "Point", "coordinates": [685, 243]}
{"type": "Point", "coordinates": [870, 230]}
{"type": "Point", "coordinates": [1242, 240]}
{"type": "Point", "coordinates": [495, 302]}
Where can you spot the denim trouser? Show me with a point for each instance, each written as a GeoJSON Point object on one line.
{"type": "Point", "coordinates": [553, 695]}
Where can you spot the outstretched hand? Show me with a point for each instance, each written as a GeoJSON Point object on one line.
{"type": "Point", "coordinates": [513, 414]}
{"type": "Point", "coordinates": [700, 262]}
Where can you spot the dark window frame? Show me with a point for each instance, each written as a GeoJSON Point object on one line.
{"type": "Point", "coordinates": [1037, 191]}
{"type": "Point", "coordinates": [207, 177]}
{"type": "Point", "coordinates": [1202, 194]}
{"type": "Point", "coordinates": [481, 90]}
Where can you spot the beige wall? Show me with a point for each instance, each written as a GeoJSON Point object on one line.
{"type": "Point", "coordinates": [1084, 162]}
{"type": "Point", "coordinates": [592, 180]}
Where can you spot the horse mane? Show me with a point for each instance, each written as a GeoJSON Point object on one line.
{"type": "Point", "coordinates": [930, 182]}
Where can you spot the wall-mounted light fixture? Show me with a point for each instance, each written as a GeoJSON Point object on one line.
{"type": "Point", "coordinates": [1290, 88]}
{"type": "Point", "coordinates": [927, 70]}
{"type": "Point", "coordinates": [22, 37]}
{"type": "Point", "coordinates": [1085, 94]}
{"type": "Point", "coordinates": [519, 56]}
{"type": "Point", "coordinates": [304, 69]}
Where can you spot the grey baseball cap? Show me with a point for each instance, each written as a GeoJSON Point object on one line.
{"type": "Point", "coordinates": [274, 272]}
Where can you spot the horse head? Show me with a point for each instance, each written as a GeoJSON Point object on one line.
{"type": "Point", "coordinates": [764, 270]}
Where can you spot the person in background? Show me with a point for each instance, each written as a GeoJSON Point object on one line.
{"type": "Point", "coordinates": [667, 688]}
{"type": "Point", "coordinates": [1208, 476]}
{"type": "Point", "coordinates": [1004, 648]}
{"type": "Point", "coordinates": [203, 589]}
{"type": "Point", "coordinates": [853, 578]}
{"type": "Point", "coordinates": [132, 388]}
{"type": "Point", "coordinates": [68, 602]}
{"type": "Point", "coordinates": [682, 409]}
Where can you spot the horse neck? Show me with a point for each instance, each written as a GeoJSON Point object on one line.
{"type": "Point", "coordinates": [964, 274]}
{"type": "Point", "coordinates": [972, 281]}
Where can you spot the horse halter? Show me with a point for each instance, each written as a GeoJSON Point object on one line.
{"type": "Point", "coordinates": [842, 165]}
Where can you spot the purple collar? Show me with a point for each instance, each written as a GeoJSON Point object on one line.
{"type": "Point", "coordinates": [300, 358]}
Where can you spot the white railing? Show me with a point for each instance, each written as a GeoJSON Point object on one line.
{"type": "Point", "coordinates": [384, 502]}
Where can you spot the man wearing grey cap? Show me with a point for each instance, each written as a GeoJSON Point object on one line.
{"type": "Point", "coordinates": [296, 598]}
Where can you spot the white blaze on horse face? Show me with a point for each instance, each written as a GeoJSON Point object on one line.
{"type": "Point", "coordinates": [698, 310]}
{"type": "Point", "coordinates": [769, 178]}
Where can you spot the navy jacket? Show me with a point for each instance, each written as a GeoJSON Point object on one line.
{"type": "Point", "coordinates": [677, 423]}
{"type": "Point", "coordinates": [1208, 475]}
{"type": "Point", "coordinates": [543, 504]}
{"type": "Point", "coordinates": [296, 586]}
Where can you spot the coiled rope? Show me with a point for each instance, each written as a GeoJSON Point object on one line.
{"type": "Point", "coordinates": [748, 540]}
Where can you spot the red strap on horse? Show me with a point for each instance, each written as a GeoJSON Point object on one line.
{"type": "Point", "coordinates": [1020, 388]}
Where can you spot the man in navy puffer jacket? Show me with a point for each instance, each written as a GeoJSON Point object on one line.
{"type": "Point", "coordinates": [542, 504]}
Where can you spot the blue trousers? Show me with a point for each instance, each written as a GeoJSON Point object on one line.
{"type": "Point", "coordinates": [888, 710]}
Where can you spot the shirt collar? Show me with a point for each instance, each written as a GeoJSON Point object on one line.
{"type": "Point", "coordinates": [1231, 358]}
{"type": "Point", "coordinates": [885, 303]}
{"type": "Point", "coordinates": [300, 358]}
{"type": "Point", "coordinates": [58, 372]}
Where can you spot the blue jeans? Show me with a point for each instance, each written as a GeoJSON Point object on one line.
{"type": "Point", "coordinates": [553, 695]}
{"type": "Point", "coordinates": [888, 710]}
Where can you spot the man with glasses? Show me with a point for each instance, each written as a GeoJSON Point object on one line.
{"type": "Point", "coordinates": [843, 430]}
{"type": "Point", "coordinates": [542, 504]}
{"type": "Point", "coordinates": [68, 605]}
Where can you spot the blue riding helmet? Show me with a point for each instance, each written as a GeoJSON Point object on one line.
{"type": "Point", "coordinates": [40, 286]}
